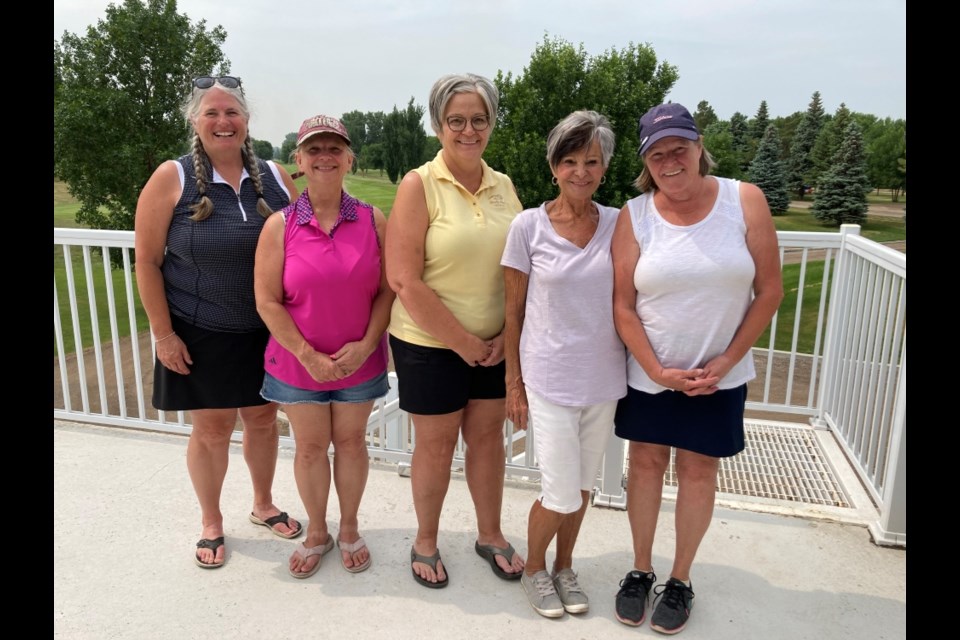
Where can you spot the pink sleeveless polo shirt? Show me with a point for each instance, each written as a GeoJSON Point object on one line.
{"type": "Point", "coordinates": [329, 284]}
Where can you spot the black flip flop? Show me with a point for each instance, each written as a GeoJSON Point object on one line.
{"type": "Point", "coordinates": [489, 553]}
{"type": "Point", "coordinates": [431, 561]}
{"type": "Point", "coordinates": [213, 545]}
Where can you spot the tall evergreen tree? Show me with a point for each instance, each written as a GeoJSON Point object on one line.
{"type": "Point", "coordinates": [801, 161]}
{"type": "Point", "coordinates": [740, 133]}
{"type": "Point", "coordinates": [842, 194]}
{"type": "Point", "coordinates": [704, 116]}
{"type": "Point", "coordinates": [719, 142]}
{"type": "Point", "coordinates": [828, 142]}
{"type": "Point", "coordinates": [758, 126]}
{"type": "Point", "coordinates": [767, 172]}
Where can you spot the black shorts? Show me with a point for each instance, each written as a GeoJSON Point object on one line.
{"type": "Point", "coordinates": [711, 425]}
{"type": "Point", "coordinates": [433, 381]}
{"type": "Point", "coordinates": [227, 371]}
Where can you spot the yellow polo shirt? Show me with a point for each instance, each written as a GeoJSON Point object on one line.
{"type": "Point", "coordinates": [465, 239]}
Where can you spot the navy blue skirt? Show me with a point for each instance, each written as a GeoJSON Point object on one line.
{"type": "Point", "coordinates": [227, 370]}
{"type": "Point", "coordinates": [711, 425]}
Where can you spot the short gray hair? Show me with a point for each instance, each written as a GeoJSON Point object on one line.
{"type": "Point", "coordinates": [578, 131]}
{"type": "Point", "coordinates": [449, 85]}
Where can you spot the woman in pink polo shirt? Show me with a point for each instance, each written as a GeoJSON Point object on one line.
{"type": "Point", "coordinates": [322, 292]}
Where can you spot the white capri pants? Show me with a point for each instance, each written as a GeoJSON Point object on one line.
{"type": "Point", "coordinates": [569, 443]}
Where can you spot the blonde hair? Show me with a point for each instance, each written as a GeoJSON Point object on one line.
{"type": "Point", "coordinates": [645, 182]}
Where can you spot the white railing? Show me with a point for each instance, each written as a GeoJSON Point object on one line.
{"type": "Point", "coordinates": [843, 370]}
{"type": "Point", "coordinates": [864, 391]}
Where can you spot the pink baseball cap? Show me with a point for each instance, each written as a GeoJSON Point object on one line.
{"type": "Point", "coordinates": [321, 124]}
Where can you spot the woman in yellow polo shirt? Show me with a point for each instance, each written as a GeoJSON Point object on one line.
{"type": "Point", "coordinates": [445, 236]}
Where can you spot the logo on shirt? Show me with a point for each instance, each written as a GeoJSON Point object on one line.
{"type": "Point", "coordinates": [497, 201]}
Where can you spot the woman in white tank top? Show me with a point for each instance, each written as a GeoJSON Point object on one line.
{"type": "Point", "coordinates": [696, 281]}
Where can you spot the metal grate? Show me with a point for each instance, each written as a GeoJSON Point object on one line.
{"type": "Point", "coordinates": [780, 463]}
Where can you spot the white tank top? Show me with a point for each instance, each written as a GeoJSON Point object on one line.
{"type": "Point", "coordinates": [694, 286]}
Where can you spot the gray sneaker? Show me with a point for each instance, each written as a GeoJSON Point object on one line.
{"type": "Point", "coordinates": [571, 595]}
{"type": "Point", "coordinates": [541, 594]}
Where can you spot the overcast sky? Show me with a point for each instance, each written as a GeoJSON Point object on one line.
{"type": "Point", "coordinates": [302, 57]}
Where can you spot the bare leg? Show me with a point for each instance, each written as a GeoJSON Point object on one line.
{"type": "Point", "coordinates": [208, 452]}
{"type": "Point", "coordinates": [542, 526]}
{"type": "Point", "coordinates": [430, 479]}
{"type": "Point", "coordinates": [696, 493]}
{"type": "Point", "coordinates": [567, 535]}
{"type": "Point", "coordinates": [311, 468]}
{"type": "Point", "coordinates": [260, 439]}
{"type": "Point", "coordinates": [484, 467]}
{"type": "Point", "coordinates": [351, 465]}
{"type": "Point", "coordinates": [648, 463]}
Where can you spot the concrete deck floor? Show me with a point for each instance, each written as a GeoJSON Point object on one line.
{"type": "Point", "coordinates": [126, 520]}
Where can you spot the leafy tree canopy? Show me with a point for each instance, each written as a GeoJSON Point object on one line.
{"type": "Point", "coordinates": [560, 78]}
{"type": "Point", "coordinates": [116, 102]}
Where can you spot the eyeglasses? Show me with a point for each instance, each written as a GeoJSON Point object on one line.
{"type": "Point", "coordinates": [459, 123]}
{"type": "Point", "coordinates": [205, 82]}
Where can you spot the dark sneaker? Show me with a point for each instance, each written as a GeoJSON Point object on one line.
{"type": "Point", "coordinates": [571, 595]}
{"type": "Point", "coordinates": [541, 594]}
{"type": "Point", "coordinates": [672, 607]}
{"type": "Point", "coordinates": [632, 597]}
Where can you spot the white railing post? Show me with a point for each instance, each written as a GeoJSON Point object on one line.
{"type": "Point", "coordinates": [833, 343]}
{"type": "Point", "coordinates": [611, 493]}
{"type": "Point", "coordinates": [891, 528]}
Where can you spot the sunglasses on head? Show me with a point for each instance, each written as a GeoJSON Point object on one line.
{"type": "Point", "coordinates": [205, 82]}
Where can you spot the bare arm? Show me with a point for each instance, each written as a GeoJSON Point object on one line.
{"type": "Point", "coordinates": [767, 282]}
{"type": "Point", "coordinates": [151, 225]}
{"type": "Point", "coordinates": [626, 253]}
{"type": "Point", "coordinates": [515, 284]}
{"type": "Point", "coordinates": [352, 355]}
{"type": "Point", "coordinates": [406, 237]}
{"type": "Point", "coordinates": [268, 289]}
{"type": "Point", "coordinates": [287, 181]}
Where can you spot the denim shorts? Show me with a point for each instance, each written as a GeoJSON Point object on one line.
{"type": "Point", "coordinates": [283, 393]}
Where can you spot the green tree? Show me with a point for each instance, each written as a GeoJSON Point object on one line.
{"type": "Point", "coordinates": [828, 142]}
{"type": "Point", "coordinates": [356, 124]}
{"type": "Point", "coordinates": [263, 149]}
{"type": "Point", "coordinates": [619, 83]}
{"type": "Point", "coordinates": [740, 133]}
{"type": "Point", "coordinates": [403, 140]}
{"type": "Point", "coordinates": [887, 156]}
{"type": "Point", "coordinates": [719, 141]}
{"type": "Point", "coordinates": [431, 147]}
{"type": "Point", "coordinates": [800, 172]}
{"type": "Point", "coordinates": [372, 157]}
{"type": "Point", "coordinates": [758, 126]}
{"type": "Point", "coordinates": [842, 193]}
{"type": "Point", "coordinates": [117, 96]}
{"type": "Point", "coordinates": [767, 172]}
{"type": "Point", "coordinates": [704, 116]}
{"type": "Point", "coordinates": [288, 147]}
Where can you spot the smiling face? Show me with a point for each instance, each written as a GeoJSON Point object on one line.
{"type": "Point", "coordinates": [673, 162]}
{"type": "Point", "coordinates": [578, 173]}
{"type": "Point", "coordinates": [221, 122]}
{"type": "Point", "coordinates": [325, 156]}
{"type": "Point", "coordinates": [468, 144]}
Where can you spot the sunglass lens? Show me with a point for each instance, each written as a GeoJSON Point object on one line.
{"type": "Point", "coordinates": [229, 82]}
{"type": "Point", "coordinates": [203, 82]}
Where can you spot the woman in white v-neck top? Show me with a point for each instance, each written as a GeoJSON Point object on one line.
{"type": "Point", "coordinates": [566, 365]}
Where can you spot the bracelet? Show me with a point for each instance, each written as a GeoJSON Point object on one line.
{"type": "Point", "coordinates": [169, 335]}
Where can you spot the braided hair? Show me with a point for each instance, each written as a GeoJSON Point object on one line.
{"type": "Point", "coordinates": [191, 108]}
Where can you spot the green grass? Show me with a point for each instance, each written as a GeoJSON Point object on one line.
{"type": "Point", "coordinates": [809, 310]}
{"type": "Point", "coordinates": [371, 188]}
{"type": "Point", "coordinates": [877, 228]}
